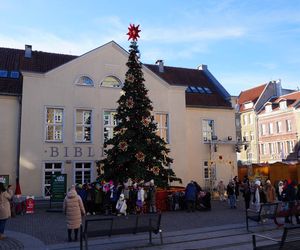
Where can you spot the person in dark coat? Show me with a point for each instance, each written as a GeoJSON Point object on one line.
{"type": "Point", "coordinates": [246, 190]}
{"type": "Point", "coordinates": [231, 194]}
{"type": "Point", "coordinates": [190, 196]}
{"type": "Point", "coordinates": [290, 194]}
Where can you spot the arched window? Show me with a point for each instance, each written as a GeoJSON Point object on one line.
{"type": "Point", "coordinates": [85, 80]}
{"type": "Point", "coordinates": [112, 82]}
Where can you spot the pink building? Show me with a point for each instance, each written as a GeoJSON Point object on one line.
{"type": "Point", "coordinates": [278, 130]}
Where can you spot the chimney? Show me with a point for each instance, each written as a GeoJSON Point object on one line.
{"type": "Point", "coordinates": [278, 87]}
{"type": "Point", "coordinates": [202, 67]}
{"type": "Point", "coordinates": [28, 51]}
{"type": "Point", "coordinates": [160, 64]}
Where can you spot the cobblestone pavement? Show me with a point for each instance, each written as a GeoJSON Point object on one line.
{"type": "Point", "coordinates": [11, 243]}
{"type": "Point", "coordinates": [51, 228]}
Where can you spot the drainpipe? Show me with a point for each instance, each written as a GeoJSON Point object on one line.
{"type": "Point", "coordinates": [19, 137]}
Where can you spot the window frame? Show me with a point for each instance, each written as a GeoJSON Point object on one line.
{"type": "Point", "coordinates": [44, 175]}
{"type": "Point", "coordinates": [288, 125]}
{"type": "Point", "coordinates": [83, 125]}
{"type": "Point", "coordinates": [159, 129]}
{"type": "Point", "coordinates": [82, 170]}
{"type": "Point", "coordinates": [121, 84]}
{"type": "Point", "coordinates": [83, 84]}
{"type": "Point", "coordinates": [46, 124]}
{"type": "Point", "coordinates": [111, 126]}
{"type": "Point", "coordinates": [203, 132]}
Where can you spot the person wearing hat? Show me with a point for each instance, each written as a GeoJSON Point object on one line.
{"type": "Point", "coordinates": [270, 192]}
{"type": "Point", "coordinates": [121, 206]}
{"type": "Point", "coordinates": [5, 211]}
{"type": "Point", "coordinates": [74, 210]}
{"type": "Point", "coordinates": [259, 195]}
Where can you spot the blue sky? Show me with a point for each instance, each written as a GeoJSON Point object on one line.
{"type": "Point", "coordinates": [244, 43]}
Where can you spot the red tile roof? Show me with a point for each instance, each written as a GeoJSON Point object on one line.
{"type": "Point", "coordinates": [192, 77]}
{"type": "Point", "coordinates": [292, 100]}
{"type": "Point", "coordinates": [250, 95]}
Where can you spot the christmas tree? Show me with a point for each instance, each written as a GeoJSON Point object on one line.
{"type": "Point", "coordinates": [136, 151]}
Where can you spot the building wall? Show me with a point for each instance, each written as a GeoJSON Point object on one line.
{"type": "Point", "coordinates": [56, 88]}
{"type": "Point", "coordinates": [246, 131]}
{"type": "Point", "coordinates": [275, 137]}
{"type": "Point", "coordinates": [199, 151]}
{"type": "Point", "coordinates": [9, 113]}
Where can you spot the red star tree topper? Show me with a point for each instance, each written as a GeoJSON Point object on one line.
{"type": "Point", "coordinates": [133, 32]}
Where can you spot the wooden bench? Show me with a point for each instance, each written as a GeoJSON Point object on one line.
{"type": "Point", "coordinates": [95, 226]}
{"type": "Point", "coordinates": [290, 239]}
{"type": "Point", "coordinates": [266, 211]}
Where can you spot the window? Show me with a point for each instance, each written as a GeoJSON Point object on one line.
{"type": "Point", "coordinates": [278, 127]}
{"type": "Point", "coordinates": [263, 149]}
{"type": "Point", "coordinates": [288, 125]}
{"type": "Point", "coordinates": [268, 108]}
{"type": "Point", "coordinates": [209, 172]}
{"type": "Point", "coordinates": [290, 146]}
{"type": "Point", "coordinates": [85, 80]}
{"type": "Point", "coordinates": [207, 129]}
{"type": "Point", "coordinates": [14, 74]}
{"type": "Point", "coordinates": [82, 172]}
{"type": "Point", "coordinates": [282, 105]}
{"type": "Point", "coordinates": [263, 131]}
{"type": "Point", "coordinates": [249, 157]}
{"type": "Point", "coordinates": [49, 170]}
{"type": "Point", "coordinates": [251, 119]}
{"type": "Point", "coordinates": [246, 136]}
{"type": "Point", "coordinates": [162, 126]}
{"type": "Point", "coordinates": [112, 82]}
{"type": "Point", "coordinates": [271, 130]}
{"type": "Point", "coordinates": [245, 119]}
{"type": "Point", "coordinates": [54, 124]}
{"type": "Point", "coordinates": [251, 135]}
{"type": "Point", "coordinates": [110, 122]}
{"type": "Point", "coordinates": [271, 148]}
{"type": "Point", "coordinates": [279, 147]}
{"type": "Point", "coordinates": [248, 105]}
{"type": "Point", "coordinates": [83, 131]}
{"type": "Point", "coordinates": [3, 73]}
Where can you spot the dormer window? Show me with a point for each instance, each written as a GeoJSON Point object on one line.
{"type": "Point", "coordinates": [268, 108]}
{"type": "Point", "coordinates": [248, 105]}
{"type": "Point", "coordinates": [85, 80]}
{"type": "Point", "coordinates": [282, 105]}
{"type": "Point", "coordinates": [111, 82]}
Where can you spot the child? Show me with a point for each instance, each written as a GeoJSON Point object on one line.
{"type": "Point", "coordinates": [121, 206]}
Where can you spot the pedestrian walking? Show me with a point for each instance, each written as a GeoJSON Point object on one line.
{"type": "Point", "coordinates": [74, 210]}
{"type": "Point", "coordinates": [231, 194]}
{"type": "Point", "coordinates": [190, 196]}
{"type": "Point", "coordinates": [221, 190]}
{"type": "Point", "coordinates": [5, 211]}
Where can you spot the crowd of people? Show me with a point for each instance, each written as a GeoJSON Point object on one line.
{"type": "Point", "coordinates": [257, 192]}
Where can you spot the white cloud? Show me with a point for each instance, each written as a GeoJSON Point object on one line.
{"type": "Point", "coordinates": [191, 34]}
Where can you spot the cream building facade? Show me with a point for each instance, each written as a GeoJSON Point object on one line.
{"type": "Point", "coordinates": [59, 120]}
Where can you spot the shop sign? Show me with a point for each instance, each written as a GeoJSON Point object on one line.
{"type": "Point", "coordinates": [58, 187]}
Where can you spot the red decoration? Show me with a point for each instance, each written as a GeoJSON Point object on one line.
{"type": "Point", "coordinates": [133, 32]}
{"type": "Point", "coordinates": [18, 188]}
